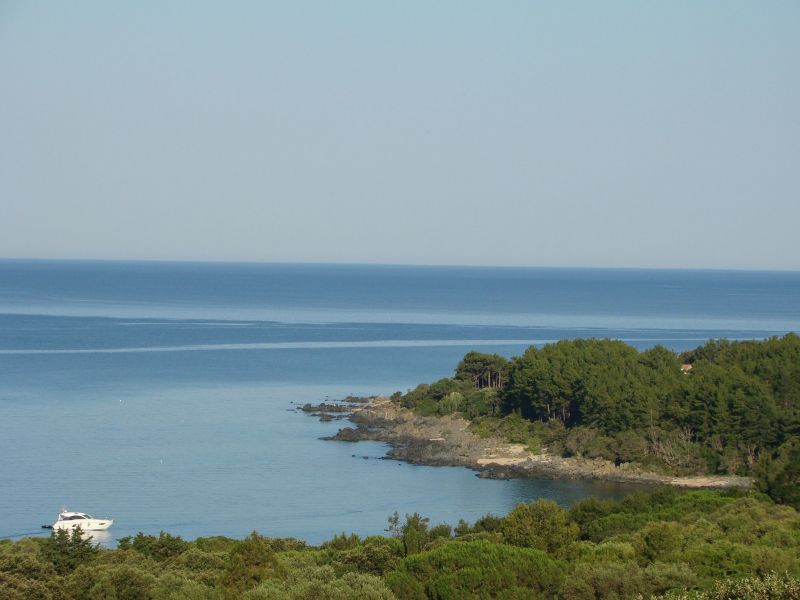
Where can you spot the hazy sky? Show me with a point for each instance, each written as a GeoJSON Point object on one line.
{"type": "Point", "coordinates": [634, 133]}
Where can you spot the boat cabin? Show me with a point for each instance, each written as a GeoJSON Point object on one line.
{"type": "Point", "coordinates": [73, 516]}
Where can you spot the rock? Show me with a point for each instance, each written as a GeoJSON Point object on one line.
{"type": "Point", "coordinates": [494, 473]}
{"type": "Point", "coordinates": [325, 407]}
{"type": "Point", "coordinates": [359, 399]}
{"type": "Point", "coordinates": [348, 434]}
{"type": "Point", "coordinates": [449, 441]}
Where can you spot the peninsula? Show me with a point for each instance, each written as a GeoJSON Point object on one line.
{"type": "Point", "coordinates": [724, 415]}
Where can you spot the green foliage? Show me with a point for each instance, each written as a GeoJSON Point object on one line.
{"type": "Point", "coordinates": [342, 542]}
{"type": "Point", "coordinates": [541, 524]}
{"type": "Point", "coordinates": [443, 530]}
{"type": "Point", "coordinates": [25, 572]}
{"type": "Point", "coordinates": [590, 509]}
{"type": "Point", "coordinates": [68, 550]}
{"type": "Point", "coordinates": [590, 382]}
{"type": "Point", "coordinates": [451, 403]}
{"type": "Point", "coordinates": [475, 570]}
{"type": "Point", "coordinates": [250, 562]}
{"type": "Point", "coordinates": [321, 583]}
{"type": "Point", "coordinates": [488, 523]}
{"type": "Point", "coordinates": [175, 587]}
{"type": "Point", "coordinates": [414, 533]}
{"type": "Point", "coordinates": [102, 582]}
{"type": "Point", "coordinates": [439, 398]}
{"type": "Point", "coordinates": [736, 411]}
{"type": "Point", "coordinates": [375, 556]}
{"type": "Point", "coordinates": [513, 428]}
{"type": "Point", "coordinates": [215, 543]}
{"type": "Point", "coordinates": [158, 548]}
{"type": "Point", "coordinates": [483, 370]}
{"type": "Point", "coordinates": [16, 587]}
{"type": "Point", "coordinates": [604, 580]}
{"type": "Point", "coordinates": [660, 541]}
{"type": "Point", "coordinates": [697, 544]}
{"type": "Point", "coordinates": [770, 587]}
{"type": "Point", "coordinates": [448, 396]}
{"type": "Point", "coordinates": [779, 473]}
{"type": "Point", "coordinates": [195, 559]}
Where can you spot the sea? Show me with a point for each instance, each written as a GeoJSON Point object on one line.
{"type": "Point", "coordinates": [165, 395]}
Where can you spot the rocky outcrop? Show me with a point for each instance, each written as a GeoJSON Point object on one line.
{"type": "Point", "coordinates": [449, 441]}
{"type": "Point", "coordinates": [328, 411]}
{"type": "Point", "coordinates": [326, 407]}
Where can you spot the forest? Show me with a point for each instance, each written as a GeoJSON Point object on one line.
{"type": "Point", "coordinates": [729, 407]}
{"type": "Point", "coordinates": [705, 545]}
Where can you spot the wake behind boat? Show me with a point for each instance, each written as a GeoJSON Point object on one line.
{"type": "Point", "coordinates": [71, 520]}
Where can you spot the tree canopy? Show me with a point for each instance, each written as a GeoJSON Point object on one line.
{"type": "Point", "coordinates": [700, 544]}
{"type": "Point", "coordinates": [736, 411]}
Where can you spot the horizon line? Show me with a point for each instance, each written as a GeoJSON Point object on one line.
{"type": "Point", "coordinates": [189, 261]}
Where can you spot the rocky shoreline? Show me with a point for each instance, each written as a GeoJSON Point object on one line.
{"type": "Point", "coordinates": [448, 441]}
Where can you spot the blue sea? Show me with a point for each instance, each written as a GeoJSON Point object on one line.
{"type": "Point", "coordinates": [165, 395]}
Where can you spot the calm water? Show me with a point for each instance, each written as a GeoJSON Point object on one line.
{"type": "Point", "coordinates": [164, 394]}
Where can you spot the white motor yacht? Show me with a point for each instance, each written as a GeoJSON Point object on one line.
{"type": "Point", "coordinates": [71, 520]}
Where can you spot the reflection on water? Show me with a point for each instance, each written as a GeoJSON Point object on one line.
{"type": "Point", "coordinates": [101, 538]}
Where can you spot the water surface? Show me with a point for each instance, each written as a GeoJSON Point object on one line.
{"type": "Point", "coordinates": [164, 394]}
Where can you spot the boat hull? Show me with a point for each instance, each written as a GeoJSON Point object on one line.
{"type": "Point", "coordinates": [85, 524]}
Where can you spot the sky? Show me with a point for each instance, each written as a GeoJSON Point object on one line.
{"type": "Point", "coordinates": [594, 134]}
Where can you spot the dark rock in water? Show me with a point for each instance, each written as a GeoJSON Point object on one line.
{"type": "Point", "coordinates": [358, 399]}
{"type": "Point", "coordinates": [325, 417]}
{"type": "Point", "coordinates": [348, 434]}
{"type": "Point", "coordinates": [496, 473]}
{"type": "Point", "coordinates": [326, 407]}
{"type": "Point", "coordinates": [449, 441]}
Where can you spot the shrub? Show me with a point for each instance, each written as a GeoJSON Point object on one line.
{"type": "Point", "coordinates": [659, 541]}
{"type": "Point", "coordinates": [474, 569]}
{"type": "Point", "coordinates": [67, 551]}
{"type": "Point", "coordinates": [342, 542]}
{"type": "Point", "coordinates": [590, 509]}
{"type": "Point", "coordinates": [541, 524]}
{"type": "Point", "coordinates": [372, 557]}
{"type": "Point", "coordinates": [174, 587]}
{"type": "Point", "coordinates": [17, 587]}
{"type": "Point", "coordinates": [158, 548]}
{"type": "Point", "coordinates": [321, 583]}
{"type": "Point", "coordinates": [195, 559]}
{"type": "Point", "coordinates": [603, 580]}
{"type": "Point", "coordinates": [101, 582]}
{"type": "Point", "coordinates": [250, 562]}
{"type": "Point", "coordinates": [770, 587]}
{"type": "Point", "coordinates": [720, 560]}
{"type": "Point", "coordinates": [215, 543]}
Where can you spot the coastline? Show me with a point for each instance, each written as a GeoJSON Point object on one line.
{"type": "Point", "coordinates": [448, 441]}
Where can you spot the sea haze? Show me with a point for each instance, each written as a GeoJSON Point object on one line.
{"type": "Point", "coordinates": [164, 395]}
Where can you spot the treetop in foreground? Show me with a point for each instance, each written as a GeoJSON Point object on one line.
{"type": "Point", "coordinates": [703, 544]}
